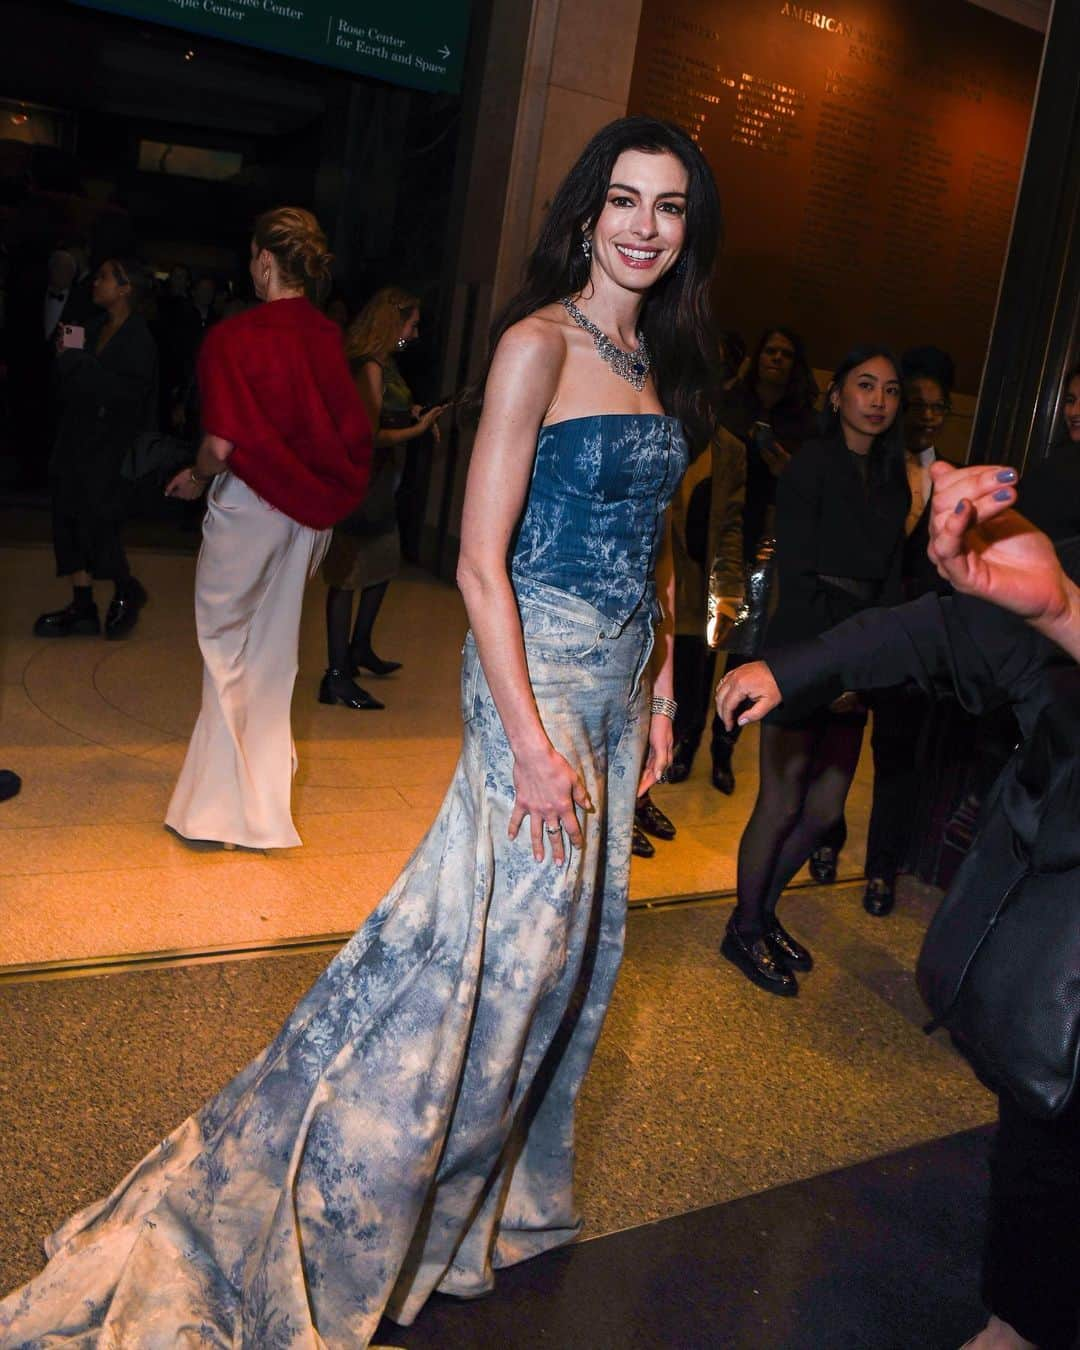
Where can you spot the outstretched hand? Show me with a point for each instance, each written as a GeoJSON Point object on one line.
{"type": "Point", "coordinates": [984, 548]}
{"type": "Point", "coordinates": [746, 694]}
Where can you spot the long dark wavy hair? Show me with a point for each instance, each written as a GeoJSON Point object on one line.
{"type": "Point", "coordinates": [887, 452]}
{"type": "Point", "coordinates": [676, 316]}
{"type": "Point", "coordinates": [802, 390]}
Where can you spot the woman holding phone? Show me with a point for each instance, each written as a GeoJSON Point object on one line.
{"type": "Point", "coordinates": [107, 378]}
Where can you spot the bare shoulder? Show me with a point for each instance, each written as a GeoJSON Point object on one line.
{"type": "Point", "coordinates": [539, 337]}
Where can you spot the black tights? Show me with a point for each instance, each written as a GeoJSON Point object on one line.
{"type": "Point", "coordinates": [805, 774]}
{"type": "Point", "coordinates": [342, 652]}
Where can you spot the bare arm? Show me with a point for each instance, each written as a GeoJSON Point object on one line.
{"type": "Point", "coordinates": [369, 385]}
{"type": "Point", "coordinates": [212, 459]}
{"type": "Point", "coordinates": [661, 733]}
{"type": "Point", "coordinates": [520, 388]}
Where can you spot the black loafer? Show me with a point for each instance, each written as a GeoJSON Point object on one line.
{"type": "Point", "coordinates": [682, 761]}
{"type": "Point", "coordinates": [822, 865]}
{"type": "Point", "coordinates": [793, 954]}
{"type": "Point", "coordinates": [337, 687]}
{"type": "Point", "coordinates": [640, 846]}
{"type": "Point", "coordinates": [759, 963]}
{"type": "Point", "coordinates": [369, 661]}
{"type": "Point", "coordinates": [68, 622]}
{"type": "Point", "coordinates": [123, 612]}
{"type": "Point", "coordinates": [649, 817]}
{"type": "Point", "coordinates": [879, 897]}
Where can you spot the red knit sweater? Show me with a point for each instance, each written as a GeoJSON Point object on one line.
{"type": "Point", "coordinates": [275, 382]}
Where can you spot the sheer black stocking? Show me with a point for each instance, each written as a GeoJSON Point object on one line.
{"type": "Point", "coordinates": [367, 611]}
{"type": "Point", "coordinates": [805, 775]}
{"type": "Point", "coordinates": [338, 617]}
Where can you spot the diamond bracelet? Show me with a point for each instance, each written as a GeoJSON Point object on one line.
{"type": "Point", "coordinates": [664, 707]}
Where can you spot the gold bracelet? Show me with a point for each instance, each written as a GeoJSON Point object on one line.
{"type": "Point", "coordinates": [201, 478]}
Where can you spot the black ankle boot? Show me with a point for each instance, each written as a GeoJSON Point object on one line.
{"type": "Point", "coordinates": [723, 778]}
{"type": "Point", "coordinates": [367, 660]}
{"type": "Point", "coordinates": [759, 962]}
{"type": "Point", "coordinates": [123, 612]}
{"type": "Point", "coordinates": [338, 687]}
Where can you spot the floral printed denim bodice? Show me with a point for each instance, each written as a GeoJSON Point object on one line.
{"type": "Point", "coordinates": [593, 522]}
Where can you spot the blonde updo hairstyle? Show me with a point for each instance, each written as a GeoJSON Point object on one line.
{"type": "Point", "coordinates": [378, 325]}
{"type": "Point", "coordinates": [297, 241]}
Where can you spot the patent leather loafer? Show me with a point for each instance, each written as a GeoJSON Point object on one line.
{"type": "Point", "coordinates": [640, 846]}
{"type": "Point", "coordinates": [822, 865]}
{"type": "Point", "coordinates": [759, 962]}
{"type": "Point", "coordinates": [879, 897]}
{"type": "Point", "coordinates": [68, 622]}
{"type": "Point", "coordinates": [682, 761]}
{"type": "Point", "coordinates": [793, 954]}
{"type": "Point", "coordinates": [338, 687]}
{"type": "Point", "coordinates": [649, 817]}
{"type": "Point", "coordinates": [123, 612]}
{"type": "Point", "coordinates": [369, 661]}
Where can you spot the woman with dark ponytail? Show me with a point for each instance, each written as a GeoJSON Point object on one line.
{"type": "Point", "coordinates": [840, 511]}
{"type": "Point", "coordinates": [411, 1128]}
{"type": "Point", "coordinates": [287, 449]}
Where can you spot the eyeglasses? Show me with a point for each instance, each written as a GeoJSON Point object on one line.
{"type": "Point", "coordinates": [918, 405]}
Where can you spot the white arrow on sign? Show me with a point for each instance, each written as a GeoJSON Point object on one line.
{"type": "Point", "coordinates": [444, 51]}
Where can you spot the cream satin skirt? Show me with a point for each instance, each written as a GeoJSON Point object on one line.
{"type": "Point", "coordinates": [236, 783]}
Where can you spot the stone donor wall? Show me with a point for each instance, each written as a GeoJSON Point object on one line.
{"type": "Point", "coordinates": [868, 157]}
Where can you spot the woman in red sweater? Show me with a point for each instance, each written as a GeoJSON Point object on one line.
{"type": "Point", "coordinates": [287, 449]}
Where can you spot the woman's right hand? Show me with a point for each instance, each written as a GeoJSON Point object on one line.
{"type": "Point", "coordinates": [426, 421]}
{"type": "Point", "coordinates": [547, 789]}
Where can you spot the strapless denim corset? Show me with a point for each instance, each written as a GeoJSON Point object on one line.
{"type": "Point", "coordinates": [594, 517]}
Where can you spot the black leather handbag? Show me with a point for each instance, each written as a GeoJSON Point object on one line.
{"type": "Point", "coordinates": [1000, 965]}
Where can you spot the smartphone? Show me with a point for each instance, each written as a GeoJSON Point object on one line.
{"type": "Point", "coordinates": [73, 337]}
{"type": "Point", "coordinates": [762, 436]}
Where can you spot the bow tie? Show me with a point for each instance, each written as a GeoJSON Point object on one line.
{"type": "Point", "coordinates": [58, 295]}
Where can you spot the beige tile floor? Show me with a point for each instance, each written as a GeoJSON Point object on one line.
{"type": "Point", "coordinates": [98, 730]}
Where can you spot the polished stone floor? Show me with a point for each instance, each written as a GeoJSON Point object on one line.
{"type": "Point", "coordinates": [98, 730]}
{"type": "Point", "coordinates": [713, 1110]}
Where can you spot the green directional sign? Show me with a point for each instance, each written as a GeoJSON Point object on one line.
{"type": "Point", "coordinates": [420, 43]}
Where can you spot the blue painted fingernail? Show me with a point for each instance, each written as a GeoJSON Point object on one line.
{"type": "Point", "coordinates": [1007, 476]}
{"type": "Point", "coordinates": [961, 507]}
{"type": "Point", "coordinates": [1002, 495]}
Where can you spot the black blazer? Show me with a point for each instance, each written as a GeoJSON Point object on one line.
{"type": "Point", "coordinates": [828, 523]}
{"type": "Point", "coordinates": [106, 401]}
{"type": "Point", "coordinates": [945, 644]}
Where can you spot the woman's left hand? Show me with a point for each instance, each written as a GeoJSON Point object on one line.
{"type": "Point", "coordinates": [658, 759]}
{"type": "Point", "coordinates": [184, 486]}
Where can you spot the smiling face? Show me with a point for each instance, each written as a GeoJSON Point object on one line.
{"type": "Point", "coordinates": [641, 230]}
{"type": "Point", "coordinates": [1071, 409]}
{"type": "Point", "coordinates": [867, 402]}
{"type": "Point", "coordinates": [927, 408]}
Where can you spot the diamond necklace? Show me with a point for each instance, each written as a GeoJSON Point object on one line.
{"type": "Point", "coordinates": [633, 367]}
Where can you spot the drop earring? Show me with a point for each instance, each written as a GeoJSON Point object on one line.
{"type": "Point", "coordinates": [586, 245]}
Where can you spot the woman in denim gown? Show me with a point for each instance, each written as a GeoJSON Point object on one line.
{"type": "Point", "coordinates": [411, 1126]}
